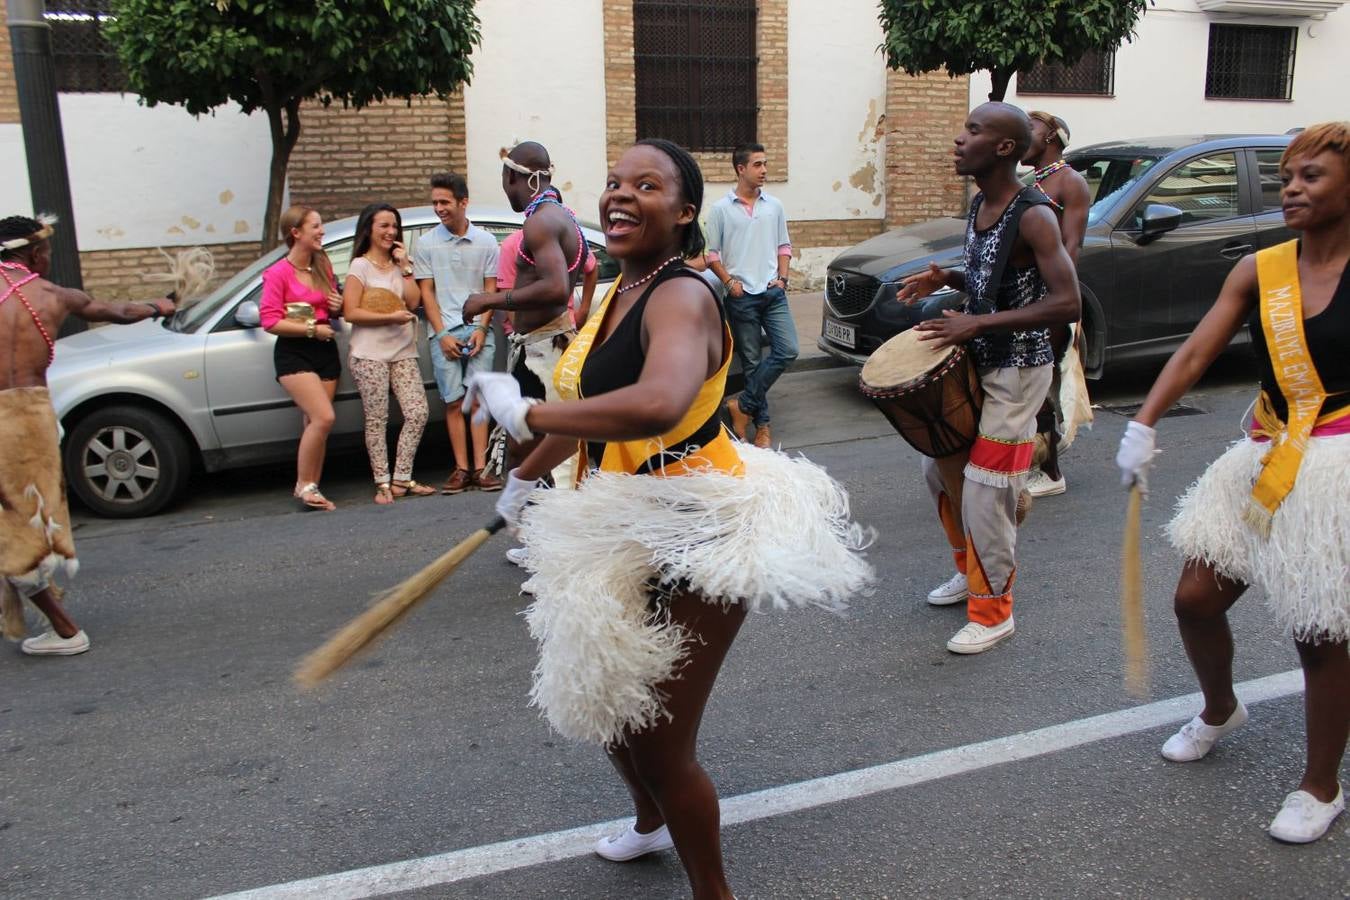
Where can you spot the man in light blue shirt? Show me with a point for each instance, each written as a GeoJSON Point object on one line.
{"type": "Point", "coordinates": [452, 261]}
{"type": "Point", "coordinates": [749, 251]}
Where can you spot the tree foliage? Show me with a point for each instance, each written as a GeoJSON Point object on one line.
{"type": "Point", "coordinates": [271, 55]}
{"type": "Point", "coordinates": [1004, 37]}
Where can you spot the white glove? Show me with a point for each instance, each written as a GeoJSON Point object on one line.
{"type": "Point", "coordinates": [498, 395]}
{"type": "Point", "coordinates": [1136, 455]}
{"type": "Point", "coordinates": [515, 494]}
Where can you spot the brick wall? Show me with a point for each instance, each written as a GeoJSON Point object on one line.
{"type": "Point", "coordinates": [346, 158]}
{"type": "Point", "coordinates": [9, 92]}
{"type": "Point", "coordinates": [771, 87]}
{"type": "Point", "coordinates": [118, 274]}
{"type": "Point", "coordinates": [923, 114]}
{"type": "Point", "coordinates": [807, 233]}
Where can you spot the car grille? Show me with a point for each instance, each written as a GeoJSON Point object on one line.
{"type": "Point", "coordinates": [848, 294]}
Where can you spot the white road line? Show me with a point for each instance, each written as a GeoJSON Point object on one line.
{"type": "Point", "coordinates": [474, 862]}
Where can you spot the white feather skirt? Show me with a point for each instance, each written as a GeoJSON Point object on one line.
{"type": "Point", "coordinates": [780, 536]}
{"type": "Point", "coordinates": [1304, 564]}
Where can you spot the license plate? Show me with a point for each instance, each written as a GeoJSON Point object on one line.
{"type": "Point", "coordinates": [841, 333]}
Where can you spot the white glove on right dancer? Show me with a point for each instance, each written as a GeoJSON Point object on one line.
{"type": "Point", "coordinates": [498, 395]}
{"type": "Point", "coordinates": [515, 494]}
{"type": "Point", "coordinates": [1136, 454]}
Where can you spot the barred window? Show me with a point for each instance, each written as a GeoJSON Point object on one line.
{"type": "Point", "coordinates": [1094, 74]}
{"type": "Point", "coordinates": [84, 60]}
{"type": "Point", "coordinates": [1250, 62]}
{"type": "Point", "coordinates": [696, 65]}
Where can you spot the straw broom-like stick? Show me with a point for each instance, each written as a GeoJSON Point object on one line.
{"type": "Point", "coordinates": [387, 609]}
{"type": "Point", "coordinates": [1132, 600]}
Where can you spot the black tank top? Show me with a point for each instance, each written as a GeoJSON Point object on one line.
{"type": "Point", "coordinates": [1328, 336]}
{"type": "Point", "coordinates": [618, 362]}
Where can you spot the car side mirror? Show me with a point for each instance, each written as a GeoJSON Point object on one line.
{"type": "Point", "coordinates": [247, 314]}
{"type": "Point", "coordinates": [1158, 218]}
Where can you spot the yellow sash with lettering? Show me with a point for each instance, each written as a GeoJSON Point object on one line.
{"type": "Point", "coordinates": [1287, 345]}
{"type": "Point", "coordinates": [718, 454]}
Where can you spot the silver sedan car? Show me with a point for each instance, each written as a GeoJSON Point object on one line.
{"type": "Point", "coordinates": [144, 404]}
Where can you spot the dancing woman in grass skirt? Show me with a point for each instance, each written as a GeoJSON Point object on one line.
{"type": "Point", "coordinates": [1274, 511]}
{"type": "Point", "coordinates": [643, 576]}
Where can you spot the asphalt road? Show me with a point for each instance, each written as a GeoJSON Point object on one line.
{"type": "Point", "coordinates": [176, 759]}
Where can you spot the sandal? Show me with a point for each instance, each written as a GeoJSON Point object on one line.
{"type": "Point", "coordinates": [310, 496]}
{"type": "Point", "coordinates": [383, 495]}
{"type": "Point", "coordinates": [412, 488]}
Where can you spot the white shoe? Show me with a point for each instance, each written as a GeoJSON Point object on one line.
{"type": "Point", "coordinates": [49, 643]}
{"type": "Point", "coordinates": [1196, 738]}
{"type": "Point", "coordinates": [1303, 818]}
{"type": "Point", "coordinates": [977, 638]}
{"type": "Point", "coordinates": [629, 844]}
{"type": "Point", "coordinates": [954, 590]}
{"type": "Point", "coordinates": [1040, 484]}
{"type": "Point", "coordinates": [518, 555]}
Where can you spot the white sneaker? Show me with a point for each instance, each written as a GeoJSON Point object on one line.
{"type": "Point", "coordinates": [518, 555]}
{"type": "Point", "coordinates": [1196, 738]}
{"type": "Point", "coordinates": [1040, 484]}
{"type": "Point", "coordinates": [49, 643]}
{"type": "Point", "coordinates": [954, 590]}
{"type": "Point", "coordinates": [1303, 818]}
{"type": "Point", "coordinates": [977, 638]}
{"type": "Point", "coordinates": [629, 844]}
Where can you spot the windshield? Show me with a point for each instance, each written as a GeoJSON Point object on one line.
{"type": "Point", "coordinates": [191, 319]}
{"type": "Point", "coordinates": [1109, 178]}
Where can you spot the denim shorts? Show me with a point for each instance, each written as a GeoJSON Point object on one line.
{"type": "Point", "coordinates": [452, 373]}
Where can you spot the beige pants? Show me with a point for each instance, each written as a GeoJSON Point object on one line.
{"type": "Point", "coordinates": [994, 476]}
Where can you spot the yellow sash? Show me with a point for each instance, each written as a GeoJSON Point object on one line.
{"type": "Point", "coordinates": [1287, 346]}
{"type": "Point", "coordinates": [628, 456]}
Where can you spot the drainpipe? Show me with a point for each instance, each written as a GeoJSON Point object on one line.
{"type": "Point", "coordinates": [44, 146]}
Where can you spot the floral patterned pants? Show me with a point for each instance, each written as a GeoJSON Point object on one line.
{"type": "Point", "coordinates": [374, 379]}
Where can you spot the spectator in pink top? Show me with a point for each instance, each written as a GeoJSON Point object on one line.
{"type": "Point", "coordinates": [299, 304]}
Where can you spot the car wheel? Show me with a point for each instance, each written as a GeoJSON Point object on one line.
{"type": "Point", "coordinates": [124, 462]}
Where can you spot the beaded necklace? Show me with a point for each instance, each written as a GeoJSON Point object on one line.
{"type": "Point", "coordinates": [1045, 172]}
{"type": "Point", "coordinates": [550, 195]}
{"type": "Point", "coordinates": [14, 290]}
{"type": "Point", "coordinates": [648, 277]}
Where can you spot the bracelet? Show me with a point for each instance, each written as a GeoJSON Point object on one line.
{"type": "Point", "coordinates": [310, 327]}
{"type": "Point", "coordinates": [508, 304]}
{"type": "Point", "coordinates": [154, 311]}
{"type": "Point", "coordinates": [483, 328]}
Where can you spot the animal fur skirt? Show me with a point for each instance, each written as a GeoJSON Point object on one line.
{"type": "Point", "coordinates": [1304, 564]}
{"type": "Point", "coordinates": [779, 536]}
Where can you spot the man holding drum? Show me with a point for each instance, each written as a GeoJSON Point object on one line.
{"type": "Point", "coordinates": [1019, 282]}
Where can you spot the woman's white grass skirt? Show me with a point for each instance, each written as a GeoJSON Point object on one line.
{"type": "Point", "coordinates": [779, 536]}
{"type": "Point", "coordinates": [1303, 566]}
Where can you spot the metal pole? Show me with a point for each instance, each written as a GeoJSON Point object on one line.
{"type": "Point", "coordinates": [44, 146]}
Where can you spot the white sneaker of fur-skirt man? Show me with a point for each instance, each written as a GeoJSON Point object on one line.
{"type": "Point", "coordinates": [777, 535]}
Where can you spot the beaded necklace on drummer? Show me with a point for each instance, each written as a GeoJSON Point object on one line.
{"type": "Point", "coordinates": [648, 277]}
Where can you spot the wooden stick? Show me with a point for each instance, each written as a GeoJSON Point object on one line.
{"type": "Point", "coordinates": [1132, 601]}
{"type": "Point", "coordinates": [387, 609]}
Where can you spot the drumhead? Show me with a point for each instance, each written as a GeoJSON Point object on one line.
{"type": "Point", "coordinates": [901, 360]}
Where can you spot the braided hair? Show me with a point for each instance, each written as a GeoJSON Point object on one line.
{"type": "Point", "coordinates": [691, 191]}
{"type": "Point", "coordinates": [13, 227]}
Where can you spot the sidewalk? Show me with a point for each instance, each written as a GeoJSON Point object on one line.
{"type": "Point", "coordinates": [806, 315]}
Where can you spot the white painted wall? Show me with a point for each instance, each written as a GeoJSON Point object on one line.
{"type": "Point", "coordinates": [143, 177]}
{"type": "Point", "coordinates": [539, 76]}
{"type": "Point", "coordinates": [836, 95]}
{"type": "Point", "coordinates": [1160, 81]}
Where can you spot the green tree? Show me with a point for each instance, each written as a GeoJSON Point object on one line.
{"type": "Point", "coordinates": [1004, 37]}
{"type": "Point", "coordinates": [271, 55]}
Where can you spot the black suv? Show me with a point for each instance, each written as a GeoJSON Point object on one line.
{"type": "Point", "coordinates": [1169, 218]}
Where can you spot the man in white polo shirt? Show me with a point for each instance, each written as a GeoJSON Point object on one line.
{"type": "Point", "coordinates": [749, 250]}
{"type": "Point", "coordinates": [452, 261]}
